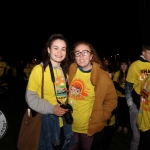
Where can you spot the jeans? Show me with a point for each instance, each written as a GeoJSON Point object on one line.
{"type": "Point", "coordinates": [136, 133]}
{"type": "Point", "coordinates": [50, 134]}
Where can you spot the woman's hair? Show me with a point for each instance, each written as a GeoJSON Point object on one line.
{"type": "Point", "coordinates": [46, 56]}
{"type": "Point", "coordinates": [122, 74]}
{"type": "Point", "coordinates": [95, 57]}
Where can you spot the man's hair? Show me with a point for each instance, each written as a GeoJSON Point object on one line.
{"type": "Point", "coordinates": [146, 45]}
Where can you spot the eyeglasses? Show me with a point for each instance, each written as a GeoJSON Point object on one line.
{"type": "Point", "coordinates": [84, 53]}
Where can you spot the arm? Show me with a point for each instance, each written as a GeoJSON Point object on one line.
{"type": "Point", "coordinates": [128, 93]}
{"type": "Point", "coordinates": [110, 102]}
{"type": "Point", "coordinates": [119, 88]}
{"type": "Point", "coordinates": [38, 104]}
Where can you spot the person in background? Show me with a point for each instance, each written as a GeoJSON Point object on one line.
{"type": "Point", "coordinates": [8, 71]}
{"type": "Point", "coordinates": [109, 129]}
{"type": "Point", "coordinates": [116, 65]}
{"type": "Point", "coordinates": [129, 62]}
{"type": "Point", "coordinates": [119, 79]}
{"type": "Point", "coordinates": [26, 73]}
{"type": "Point", "coordinates": [2, 67]}
{"type": "Point", "coordinates": [92, 96]}
{"type": "Point", "coordinates": [106, 62]}
{"type": "Point", "coordinates": [137, 71]}
{"type": "Point", "coordinates": [33, 63]}
{"type": "Point", "coordinates": [143, 119]}
{"type": "Point", "coordinates": [55, 62]}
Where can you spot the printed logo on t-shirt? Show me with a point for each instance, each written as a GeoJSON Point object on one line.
{"type": "Point", "coordinates": [77, 90]}
{"type": "Point", "coordinates": [144, 73]}
{"type": "Point", "coordinates": [61, 90]}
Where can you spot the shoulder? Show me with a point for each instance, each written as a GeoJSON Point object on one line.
{"type": "Point", "coordinates": [72, 68]}
{"type": "Point", "coordinates": [98, 74]}
{"type": "Point", "coordinates": [36, 69]}
{"type": "Point", "coordinates": [117, 72]}
{"type": "Point", "coordinates": [73, 65]}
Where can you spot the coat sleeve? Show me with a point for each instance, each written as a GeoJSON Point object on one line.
{"type": "Point", "coordinates": [110, 100]}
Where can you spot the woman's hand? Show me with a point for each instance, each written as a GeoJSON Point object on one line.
{"type": "Point", "coordinates": [58, 111]}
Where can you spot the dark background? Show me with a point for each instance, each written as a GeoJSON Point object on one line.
{"type": "Point", "coordinates": [111, 26]}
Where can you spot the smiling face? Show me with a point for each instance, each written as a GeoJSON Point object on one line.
{"type": "Point", "coordinates": [57, 52]}
{"type": "Point", "coordinates": [83, 57]}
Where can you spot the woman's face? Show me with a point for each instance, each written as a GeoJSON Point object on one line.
{"type": "Point", "coordinates": [123, 66]}
{"type": "Point", "coordinates": [83, 56]}
{"type": "Point", "coordinates": [57, 52]}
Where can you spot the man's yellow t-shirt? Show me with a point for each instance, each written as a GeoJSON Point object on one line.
{"type": "Point", "coordinates": [143, 119]}
{"type": "Point", "coordinates": [137, 72]}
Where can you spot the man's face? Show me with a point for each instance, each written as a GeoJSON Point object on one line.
{"type": "Point", "coordinates": [146, 54]}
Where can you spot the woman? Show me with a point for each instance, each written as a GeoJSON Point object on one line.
{"type": "Point", "coordinates": [92, 95]}
{"type": "Point", "coordinates": [122, 108]}
{"type": "Point", "coordinates": [55, 63]}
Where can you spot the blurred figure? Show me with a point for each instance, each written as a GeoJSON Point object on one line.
{"type": "Point", "coordinates": [117, 65]}
{"type": "Point", "coordinates": [26, 73]}
{"type": "Point", "coordinates": [129, 62]}
{"type": "Point", "coordinates": [143, 119]}
{"type": "Point", "coordinates": [106, 62]}
{"type": "Point", "coordinates": [2, 67]}
{"type": "Point", "coordinates": [109, 129]}
{"type": "Point", "coordinates": [119, 79]}
{"type": "Point", "coordinates": [137, 71]}
{"type": "Point", "coordinates": [33, 63]}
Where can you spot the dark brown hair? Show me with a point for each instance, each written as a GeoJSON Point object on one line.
{"type": "Point", "coordinates": [122, 74]}
{"type": "Point", "coordinates": [46, 56]}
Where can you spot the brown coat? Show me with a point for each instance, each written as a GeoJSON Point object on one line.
{"type": "Point", "coordinates": [105, 97]}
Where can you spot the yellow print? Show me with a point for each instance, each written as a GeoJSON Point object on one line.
{"type": "Point", "coordinates": [145, 103]}
{"type": "Point", "coordinates": [144, 73]}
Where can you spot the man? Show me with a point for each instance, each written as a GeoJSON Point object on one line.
{"type": "Point", "coordinates": [138, 70]}
{"type": "Point", "coordinates": [143, 119]}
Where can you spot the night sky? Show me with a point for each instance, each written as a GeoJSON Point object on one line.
{"type": "Point", "coordinates": [111, 26]}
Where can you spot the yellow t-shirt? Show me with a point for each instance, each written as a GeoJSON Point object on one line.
{"type": "Point", "coordinates": [115, 78]}
{"type": "Point", "coordinates": [35, 81]}
{"type": "Point", "coordinates": [137, 71]}
{"type": "Point", "coordinates": [2, 66]}
{"type": "Point", "coordinates": [143, 119]}
{"type": "Point", "coordinates": [81, 97]}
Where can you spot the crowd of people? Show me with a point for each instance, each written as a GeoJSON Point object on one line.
{"type": "Point", "coordinates": [101, 95]}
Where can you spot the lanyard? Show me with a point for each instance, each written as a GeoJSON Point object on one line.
{"type": "Point", "coordinates": [53, 80]}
